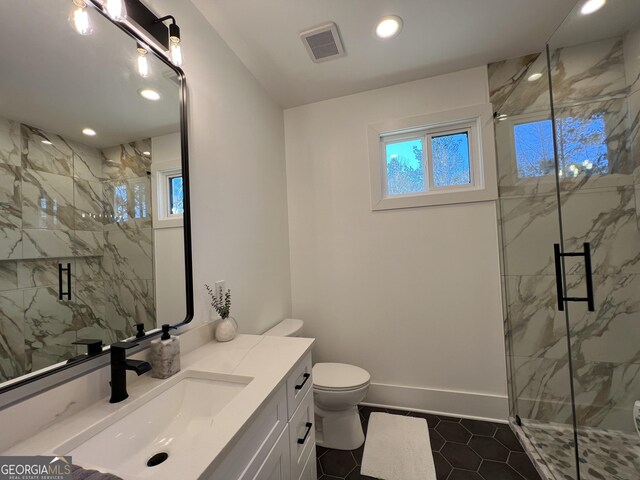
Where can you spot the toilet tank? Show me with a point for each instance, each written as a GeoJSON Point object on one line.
{"type": "Point", "coordinates": [289, 327]}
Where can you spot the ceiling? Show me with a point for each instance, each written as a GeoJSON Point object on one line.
{"type": "Point", "coordinates": [59, 81]}
{"type": "Point", "coordinates": [614, 19]}
{"type": "Point", "coordinates": [439, 36]}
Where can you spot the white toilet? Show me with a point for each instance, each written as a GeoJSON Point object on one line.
{"type": "Point", "coordinates": [338, 388]}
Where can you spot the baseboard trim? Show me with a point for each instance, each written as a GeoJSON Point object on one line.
{"type": "Point", "coordinates": [478, 406]}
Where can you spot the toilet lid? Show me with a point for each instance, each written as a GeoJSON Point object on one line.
{"type": "Point", "coordinates": [339, 376]}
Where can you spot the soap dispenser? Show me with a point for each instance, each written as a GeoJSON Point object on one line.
{"type": "Point", "coordinates": [165, 354]}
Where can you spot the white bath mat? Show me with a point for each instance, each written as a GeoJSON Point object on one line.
{"type": "Point", "coordinates": [398, 448]}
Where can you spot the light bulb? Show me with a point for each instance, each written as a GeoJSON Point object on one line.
{"type": "Point", "coordinates": [175, 53]}
{"type": "Point", "coordinates": [175, 50]}
{"type": "Point", "coordinates": [116, 9]}
{"type": "Point", "coordinates": [143, 62]}
{"type": "Point", "coordinates": [389, 27]}
{"type": "Point", "coordinates": [79, 18]}
{"type": "Point", "coordinates": [592, 6]}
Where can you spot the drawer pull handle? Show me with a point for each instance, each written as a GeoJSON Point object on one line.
{"type": "Point", "coordinates": [304, 439]}
{"type": "Point", "coordinates": [306, 377]}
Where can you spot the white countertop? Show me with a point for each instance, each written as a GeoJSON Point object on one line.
{"type": "Point", "coordinates": [267, 359]}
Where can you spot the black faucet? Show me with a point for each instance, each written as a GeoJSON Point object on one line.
{"type": "Point", "coordinates": [119, 367]}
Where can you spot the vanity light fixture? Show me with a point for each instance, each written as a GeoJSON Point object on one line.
{"type": "Point", "coordinates": [175, 49]}
{"type": "Point", "coordinates": [79, 18]}
{"type": "Point", "coordinates": [90, 132]}
{"type": "Point", "coordinates": [535, 76]}
{"type": "Point", "coordinates": [116, 9]}
{"type": "Point", "coordinates": [167, 35]}
{"type": "Point", "coordinates": [149, 94]}
{"type": "Point", "coordinates": [143, 61]}
{"type": "Point", "coordinates": [388, 27]}
{"type": "Point", "coordinates": [592, 6]}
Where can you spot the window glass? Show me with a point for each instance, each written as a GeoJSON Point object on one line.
{"type": "Point", "coordinates": [582, 147]}
{"type": "Point", "coordinates": [405, 174]}
{"type": "Point", "coordinates": [176, 196]}
{"type": "Point", "coordinates": [534, 148]}
{"type": "Point", "coordinates": [451, 159]}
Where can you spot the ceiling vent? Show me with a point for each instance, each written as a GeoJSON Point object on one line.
{"type": "Point", "coordinates": [323, 42]}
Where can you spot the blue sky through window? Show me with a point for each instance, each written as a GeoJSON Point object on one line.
{"type": "Point", "coordinates": [582, 147]}
{"type": "Point", "coordinates": [176, 196]}
{"type": "Point", "coordinates": [405, 174]}
{"type": "Point", "coordinates": [451, 164]}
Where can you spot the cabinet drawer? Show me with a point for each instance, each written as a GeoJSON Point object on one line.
{"type": "Point", "coordinates": [299, 383]}
{"type": "Point", "coordinates": [302, 435]}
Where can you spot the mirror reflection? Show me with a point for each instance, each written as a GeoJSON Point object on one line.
{"type": "Point", "coordinates": [91, 199]}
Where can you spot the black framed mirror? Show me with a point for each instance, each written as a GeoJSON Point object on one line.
{"type": "Point", "coordinates": [95, 241]}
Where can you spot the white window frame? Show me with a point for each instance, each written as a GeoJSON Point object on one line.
{"type": "Point", "coordinates": [161, 172]}
{"type": "Point", "coordinates": [476, 121]}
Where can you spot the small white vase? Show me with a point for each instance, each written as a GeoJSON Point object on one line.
{"type": "Point", "coordinates": [226, 329]}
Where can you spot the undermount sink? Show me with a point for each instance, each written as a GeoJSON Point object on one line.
{"type": "Point", "coordinates": [157, 428]}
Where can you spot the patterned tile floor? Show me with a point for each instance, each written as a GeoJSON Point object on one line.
{"type": "Point", "coordinates": [604, 454]}
{"type": "Point", "coordinates": [462, 450]}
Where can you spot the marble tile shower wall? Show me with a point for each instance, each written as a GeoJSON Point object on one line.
{"type": "Point", "coordinates": [58, 204]}
{"type": "Point", "coordinates": [593, 81]}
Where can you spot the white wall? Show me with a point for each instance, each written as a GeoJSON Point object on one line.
{"type": "Point", "coordinates": [238, 182]}
{"type": "Point", "coordinates": [411, 295]}
{"type": "Point", "coordinates": [240, 230]}
{"type": "Point", "coordinates": [168, 244]}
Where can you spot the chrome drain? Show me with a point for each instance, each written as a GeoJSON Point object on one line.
{"type": "Point", "coordinates": [157, 459]}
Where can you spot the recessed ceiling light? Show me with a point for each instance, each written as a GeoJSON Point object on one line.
{"type": "Point", "coordinates": [592, 6]}
{"type": "Point", "coordinates": [46, 142]}
{"type": "Point", "coordinates": [389, 27]}
{"type": "Point", "coordinates": [149, 94]}
{"type": "Point", "coordinates": [534, 77]}
{"type": "Point", "coordinates": [90, 132]}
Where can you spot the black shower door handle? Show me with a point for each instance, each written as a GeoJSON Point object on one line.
{"type": "Point", "coordinates": [61, 292]}
{"type": "Point", "coordinates": [586, 253]}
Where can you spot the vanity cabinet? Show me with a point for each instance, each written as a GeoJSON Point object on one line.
{"type": "Point", "coordinates": [280, 443]}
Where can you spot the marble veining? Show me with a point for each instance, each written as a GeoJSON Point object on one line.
{"type": "Point", "coordinates": [56, 157]}
{"type": "Point", "coordinates": [597, 107]}
{"type": "Point", "coordinates": [65, 202]}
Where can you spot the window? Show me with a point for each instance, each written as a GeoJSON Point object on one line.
{"type": "Point", "coordinates": [582, 146]}
{"type": "Point", "coordinates": [434, 159]}
{"type": "Point", "coordinates": [175, 204]}
{"type": "Point", "coordinates": [168, 194]}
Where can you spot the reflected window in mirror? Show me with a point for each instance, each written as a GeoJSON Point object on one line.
{"type": "Point", "coordinates": [77, 151]}
{"type": "Point", "coordinates": [176, 196]}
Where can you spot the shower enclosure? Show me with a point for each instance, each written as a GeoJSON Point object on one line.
{"type": "Point", "coordinates": [567, 125]}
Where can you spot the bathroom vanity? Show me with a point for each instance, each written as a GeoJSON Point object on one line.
{"type": "Point", "coordinates": [237, 410]}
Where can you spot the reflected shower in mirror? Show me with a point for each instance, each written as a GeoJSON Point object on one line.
{"type": "Point", "coordinates": [91, 199]}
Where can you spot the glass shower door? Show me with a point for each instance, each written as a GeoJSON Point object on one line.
{"type": "Point", "coordinates": [595, 80]}
{"type": "Point", "coordinates": [537, 342]}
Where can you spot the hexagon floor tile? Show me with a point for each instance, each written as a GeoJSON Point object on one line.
{"type": "Point", "coordinates": [463, 450]}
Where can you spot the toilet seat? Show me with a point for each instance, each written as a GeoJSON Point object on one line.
{"type": "Point", "coordinates": [339, 377]}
